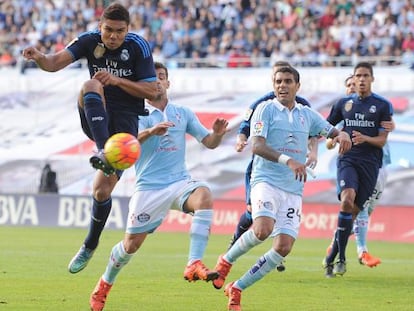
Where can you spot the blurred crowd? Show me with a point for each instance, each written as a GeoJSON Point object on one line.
{"type": "Point", "coordinates": [224, 33]}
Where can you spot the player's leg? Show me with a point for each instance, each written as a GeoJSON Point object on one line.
{"type": "Point", "coordinates": [362, 222]}
{"type": "Point", "coordinates": [198, 200]}
{"type": "Point", "coordinates": [101, 207]}
{"type": "Point", "coordinates": [120, 255]}
{"type": "Point", "coordinates": [285, 236]}
{"type": "Point", "coordinates": [94, 117]}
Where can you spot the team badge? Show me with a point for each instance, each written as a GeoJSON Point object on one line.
{"type": "Point", "coordinates": [144, 217]}
{"type": "Point", "coordinates": [99, 50]}
{"type": "Point", "coordinates": [248, 114]}
{"type": "Point", "coordinates": [124, 55]}
{"type": "Point", "coordinates": [372, 109]}
{"type": "Point", "coordinates": [348, 105]}
{"type": "Point", "coordinates": [258, 128]}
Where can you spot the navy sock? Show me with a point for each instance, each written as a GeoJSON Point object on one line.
{"type": "Point", "coordinates": [244, 224]}
{"type": "Point", "coordinates": [96, 117]}
{"type": "Point", "coordinates": [334, 250]}
{"type": "Point", "coordinates": [344, 230]}
{"type": "Point", "coordinates": [100, 213]}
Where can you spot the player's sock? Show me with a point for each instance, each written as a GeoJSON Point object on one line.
{"type": "Point", "coordinates": [361, 230]}
{"type": "Point", "coordinates": [267, 263]}
{"type": "Point", "coordinates": [100, 213]}
{"type": "Point", "coordinates": [334, 249]}
{"type": "Point", "coordinates": [343, 232]}
{"type": "Point", "coordinates": [96, 117]}
{"type": "Point", "coordinates": [199, 233]}
{"type": "Point", "coordinates": [244, 224]}
{"type": "Point", "coordinates": [117, 260]}
{"type": "Point", "coordinates": [246, 242]}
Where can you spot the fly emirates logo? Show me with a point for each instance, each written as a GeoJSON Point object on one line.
{"type": "Point", "coordinates": [359, 121]}
{"type": "Point", "coordinates": [112, 67]}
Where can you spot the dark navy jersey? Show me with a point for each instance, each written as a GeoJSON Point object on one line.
{"type": "Point", "coordinates": [245, 125]}
{"type": "Point", "coordinates": [365, 116]}
{"type": "Point", "coordinates": [132, 61]}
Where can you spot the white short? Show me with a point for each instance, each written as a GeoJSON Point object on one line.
{"type": "Point", "coordinates": [147, 209]}
{"type": "Point", "coordinates": [284, 207]}
{"type": "Point", "coordinates": [379, 189]}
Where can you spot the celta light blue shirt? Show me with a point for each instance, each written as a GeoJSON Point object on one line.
{"type": "Point", "coordinates": [162, 160]}
{"type": "Point", "coordinates": [286, 132]}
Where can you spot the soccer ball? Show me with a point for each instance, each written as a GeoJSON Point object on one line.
{"type": "Point", "coordinates": [122, 150]}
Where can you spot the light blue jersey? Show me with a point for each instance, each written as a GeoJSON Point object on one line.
{"type": "Point", "coordinates": [162, 160]}
{"type": "Point", "coordinates": [286, 132]}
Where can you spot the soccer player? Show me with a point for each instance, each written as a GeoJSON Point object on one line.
{"type": "Point", "coordinates": [246, 220]}
{"type": "Point", "coordinates": [357, 170]}
{"type": "Point", "coordinates": [279, 131]}
{"type": "Point", "coordinates": [163, 183]}
{"type": "Point", "coordinates": [122, 75]}
{"type": "Point", "coordinates": [360, 227]}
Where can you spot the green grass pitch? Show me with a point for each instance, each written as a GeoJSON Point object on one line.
{"type": "Point", "coordinates": [33, 276]}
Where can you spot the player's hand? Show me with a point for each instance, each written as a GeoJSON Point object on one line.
{"type": "Point", "coordinates": [220, 126]}
{"type": "Point", "coordinates": [312, 159]}
{"type": "Point", "coordinates": [241, 142]}
{"type": "Point", "coordinates": [105, 78]}
{"type": "Point", "coordinates": [358, 138]}
{"type": "Point", "coordinates": [330, 143]}
{"type": "Point", "coordinates": [31, 53]}
{"type": "Point", "coordinates": [161, 128]}
{"type": "Point", "coordinates": [389, 126]}
{"type": "Point", "coordinates": [344, 140]}
{"type": "Point", "coordinates": [298, 169]}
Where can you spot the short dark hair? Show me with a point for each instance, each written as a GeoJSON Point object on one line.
{"type": "Point", "coordinates": [281, 63]}
{"type": "Point", "coordinates": [347, 78]}
{"type": "Point", "coordinates": [365, 65]}
{"type": "Point", "coordinates": [291, 70]}
{"type": "Point", "coordinates": [116, 12]}
{"type": "Point", "coordinates": [159, 65]}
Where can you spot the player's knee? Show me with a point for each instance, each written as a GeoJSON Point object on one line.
{"type": "Point", "coordinates": [93, 85]}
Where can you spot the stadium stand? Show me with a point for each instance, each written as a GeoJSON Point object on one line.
{"type": "Point", "coordinates": [226, 33]}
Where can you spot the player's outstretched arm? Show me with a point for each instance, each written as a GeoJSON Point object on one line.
{"type": "Point", "coordinates": [212, 140]}
{"type": "Point", "coordinates": [159, 130]}
{"type": "Point", "coordinates": [48, 62]}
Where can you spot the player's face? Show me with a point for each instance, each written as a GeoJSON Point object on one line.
{"type": "Point", "coordinates": [162, 83]}
{"type": "Point", "coordinates": [349, 86]}
{"type": "Point", "coordinates": [363, 80]}
{"type": "Point", "coordinates": [285, 88]}
{"type": "Point", "coordinates": [113, 33]}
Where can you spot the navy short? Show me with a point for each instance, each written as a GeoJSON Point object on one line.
{"type": "Point", "coordinates": [118, 122]}
{"type": "Point", "coordinates": [359, 175]}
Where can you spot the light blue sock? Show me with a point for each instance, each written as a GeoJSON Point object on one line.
{"type": "Point", "coordinates": [361, 231]}
{"type": "Point", "coordinates": [118, 259]}
{"type": "Point", "coordinates": [247, 241]}
{"type": "Point", "coordinates": [263, 266]}
{"type": "Point", "coordinates": [199, 233]}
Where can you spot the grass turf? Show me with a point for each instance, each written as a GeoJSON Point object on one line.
{"type": "Point", "coordinates": [33, 275]}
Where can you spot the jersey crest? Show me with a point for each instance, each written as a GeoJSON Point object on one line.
{"type": "Point", "coordinates": [99, 50]}
{"type": "Point", "coordinates": [348, 105]}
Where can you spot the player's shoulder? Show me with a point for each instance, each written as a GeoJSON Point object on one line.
{"type": "Point", "coordinates": [303, 101]}
{"type": "Point", "coordinates": [138, 42]}
{"type": "Point", "coordinates": [262, 99]}
{"type": "Point", "coordinates": [380, 99]}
